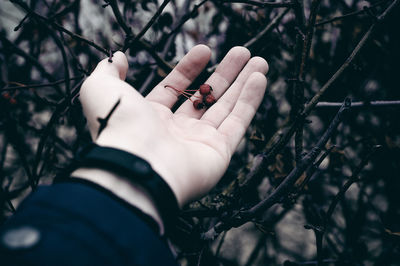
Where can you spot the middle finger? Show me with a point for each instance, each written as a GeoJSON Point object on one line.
{"type": "Point", "coordinates": [221, 79]}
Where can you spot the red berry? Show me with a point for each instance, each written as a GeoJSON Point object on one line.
{"type": "Point", "coordinates": [205, 89]}
{"type": "Point", "coordinates": [197, 104]}
{"type": "Point", "coordinates": [209, 100]}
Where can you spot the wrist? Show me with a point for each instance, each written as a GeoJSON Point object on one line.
{"type": "Point", "coordinates": [132, 193]}
{"type": "Point", "coordinates": [133, 171]}
{"type": "Point", "coordinates": [156, 154]}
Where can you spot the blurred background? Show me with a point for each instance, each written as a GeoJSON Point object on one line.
{"type": "Point", "coordinates": [343, 208]}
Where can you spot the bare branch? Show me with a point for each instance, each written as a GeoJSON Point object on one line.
{"type": "Point", "coordinates": [267, 29]}
{"type": "Point", "coordinates": [285, 187]}
{"type": "Point", "coordinates": [311, 104]}
{"type": "Point", "coordinates": [261, 4]}
{"type": "Point", "coordinates": [366, 104]}
{"type": "Point", "coordinates": [146, 27]}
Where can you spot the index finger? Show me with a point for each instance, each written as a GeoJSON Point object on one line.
{"type": "Point", "coordinates": [181, 76]}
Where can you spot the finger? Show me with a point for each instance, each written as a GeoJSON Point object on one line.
{"type": "Point", "coordinates": [236, 123]}
{"type": "Point", "coordinates": [221, 79]}
{"type": "Point", "coordinates": [106, 79]}
{"type": "Point", "coordinates": [103, 88]}
{"type": "Point", "coordinates": [118, 67]}
{"type": "Point", "coordinates": [181, 76]}
{"type": "Point", "coordinates": [217, 113]}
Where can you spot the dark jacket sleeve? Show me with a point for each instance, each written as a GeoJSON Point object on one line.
{"type": "Point", "coordinates": [79, 223]}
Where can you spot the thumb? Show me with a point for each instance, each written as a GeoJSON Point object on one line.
{"type": "Point", "coordinates": [103, 88]}
{"type": "Point", "coordinates": [118, 67]}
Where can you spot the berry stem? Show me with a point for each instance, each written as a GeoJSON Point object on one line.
{"type": "Point", "coordinates": [185, 93]}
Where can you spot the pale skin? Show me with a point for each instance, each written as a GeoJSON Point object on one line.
{"type": "Point", "coordinates": [190, 149]}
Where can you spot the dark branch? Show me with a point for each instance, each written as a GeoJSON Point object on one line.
{"type": "Point", "coordinates": [103, 121]}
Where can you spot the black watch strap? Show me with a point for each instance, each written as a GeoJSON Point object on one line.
{"type": "Point", "coordinates": [136, 170]}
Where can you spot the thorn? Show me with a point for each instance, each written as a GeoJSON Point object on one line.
{"type": "Point", "coordinates": [299, 31]}
{"type": "Point", "coordinates": [110, 55]}
{"type": "Point", "coordinates": [370, 13]}
{"type": "Point", "coordinates": [314, 227]}
{"type": "Point", "coordinates": [106, 4]}
{"type": "Point", "coordinates": [22, 22]}
{"type": "Point", "coordinates": [103, 121]}
{"type": "Point", "coordinates": [347, 102]}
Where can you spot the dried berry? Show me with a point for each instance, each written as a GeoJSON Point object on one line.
{"type": "Point", "coordinates": [205, 89]}
{"type": "Point", "coordinates": [197, 104]}
{"type": "Point", "coordinates": [209, 100]}
{"type": "Point", "coordinates": [206, 98]}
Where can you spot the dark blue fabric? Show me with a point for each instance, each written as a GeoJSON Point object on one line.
{"type": "Point", "coordinates": [82, 225]}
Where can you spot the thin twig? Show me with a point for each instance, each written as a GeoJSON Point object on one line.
{"type": "Point", "coordinates": [298, 170]}
{"type": "Point", "coordinates": [354, 177]}
{"type": "Point", "coordinates": [61, 107]}
{"type": "Point", "coordinates": [58, 26]}
{"type": "Point", "coordinates": [254, 254]}
{"type": "Point", "coordinates": [71, 7]}
{"type": "Point", "coordinates": [267, 29]}
{"type": "Point", "coordinates": [286, 186]}
{"type": "Point", "coordinates": [119, 17]}
{"type": "Point", "coordinates": [147, 26]}
{"type": "Point", "coordinates": [296, 86]}
{"type": "Point", "coordinates": [31, 61]}
{"type": "Point", "coordinates": [349, 15]}
{"type": "Point", "coordinates": [184, 19]}
{"type": "Point", "coordinates": [311, 104]}
{"type": "Point", "coordinates": [281, 138]}
{"type": "Point", "coordinates": [298, 104]}
{"type": "Point", "coordinates": [35, 86]}
{"type": "Point", "coordinates": [163, 64]}
{"type": "Point", "coordinates": [367, 104]}
{"type": "Point", "coordinates": [221, 241]}
{"type": "Point", "coordinates": [60, 45]}
{"type": "Point", "coordinates": [261, 4]}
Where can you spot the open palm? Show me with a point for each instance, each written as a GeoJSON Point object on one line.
{"type": "Point", "coordinates": [189, 148]}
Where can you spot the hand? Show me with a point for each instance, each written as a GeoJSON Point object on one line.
{"type": "Point", "coordinates": [190, 148]}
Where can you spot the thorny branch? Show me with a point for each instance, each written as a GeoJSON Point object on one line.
{"type": "Point", "coordinates": [289, 34]}
{"type": "Point", "coordinates": [282, 136]}
{"type": "Point", "coordinates": [285, 187]}
{"type": "Point", "coordinates": [300, 73]}
{"type": "Point", "coordinates": [311, 104]}
{"type": "Point", "coordinates": [366, 104]}
{"type": "Point", "coordinates": [320, 230]}
{"type": "Point", "coordinates": [261, 4]}
{"type": "Point", "coordinates": [129, 43]}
